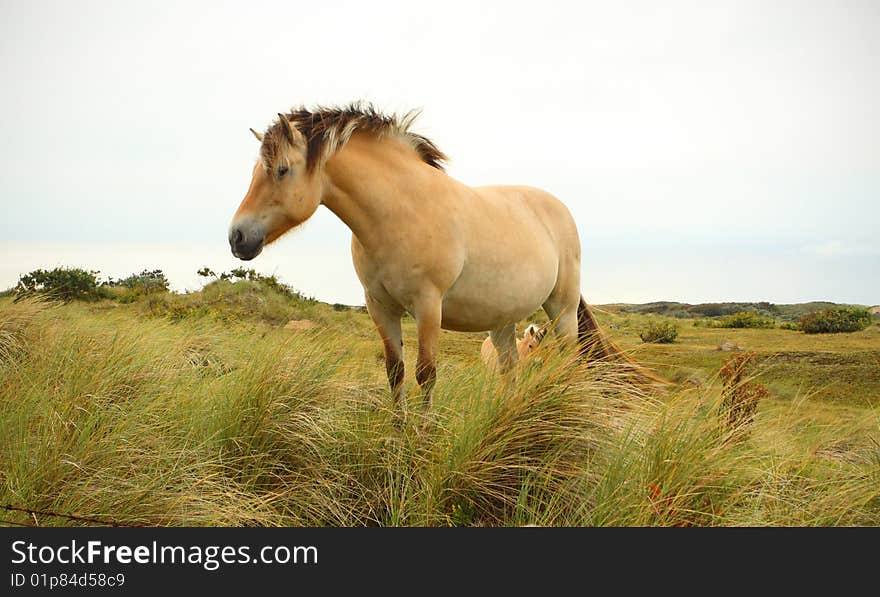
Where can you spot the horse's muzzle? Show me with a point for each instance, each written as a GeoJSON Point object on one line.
{"type": "Point", "coordinates": [246, 241]}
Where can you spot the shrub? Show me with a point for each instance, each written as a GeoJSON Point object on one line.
{"type": "Point", "coordinates": [833, 321]}
{"type": "Point", "coordinates": [147, 280]}
{"type": "Point", "coordinates": [745, 319]}
{"type": "Point", "coordinates": [789, 325]}
{"type": "Point", "coordinates": [65, 284]}
{"type": "Point", "coordinates": [243, 300]}
{"type": "Point", "coordinates": [137, 285]}
{"type": "Point", "coordinates": [710, 310]}
{"type": "Point", "coordinates": [270, 282]}
{"type": "Point", "coordinates": [659, 333]}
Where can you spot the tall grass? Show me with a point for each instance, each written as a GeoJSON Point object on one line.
{"type": "Point", "coordinates": [198, 421]}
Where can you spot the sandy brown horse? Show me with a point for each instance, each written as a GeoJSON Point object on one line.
{"type": "Point", "coordinates": [422, 242]}
{"type": "Point", "coordinates": [525, 347]}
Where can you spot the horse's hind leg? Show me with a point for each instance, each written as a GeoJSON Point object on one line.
{"type": "Point", "coordinates": [562, 311]}
{"type": "Point", "coordinates": [387, 322]}
{"type": "Point", "coordinates": [562, 304]}
{"type": "Point", "coordinates": [504, 340]}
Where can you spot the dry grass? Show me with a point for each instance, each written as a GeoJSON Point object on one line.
{"type": "Point", "coordinates": [204, 421]}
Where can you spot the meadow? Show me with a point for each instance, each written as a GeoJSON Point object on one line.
{"type": "Point", "coordinates": [213, 409]}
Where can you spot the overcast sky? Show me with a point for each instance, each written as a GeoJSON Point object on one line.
{"type": "Point", "coordinates": [709, 150]}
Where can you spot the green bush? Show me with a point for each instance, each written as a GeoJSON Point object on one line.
{"type": "Point", "coordinates": [833, 321]}
{"type": "Point", "coordinates": [789, 325]}
{"type": "Point", "coordinates": [711, 310]}
{"type": "Point", "coordinates": [659, 333]}
{"type": "Point", "coordinates": [147, 281]}
{"type": "Point", "coordinates": [127, 290]}
{"type": "Point", "coordinates": [745, 319]}
{"type": "Point", "coordinates": [270, 282]}
{"type": "Point", "coordinates": [65, 284]}
{"type": "Point", "coordinates": [242, 300]}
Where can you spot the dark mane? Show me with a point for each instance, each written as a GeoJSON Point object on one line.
{"type": "Point", "coordinates": [326, 130]}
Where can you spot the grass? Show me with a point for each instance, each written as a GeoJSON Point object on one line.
{"type": "Point", "coordinates": [204, 409]}
{"type": "Point", "coordinates": [839, 368]}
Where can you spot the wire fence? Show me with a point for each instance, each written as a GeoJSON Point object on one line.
{"type": "Point", "coordinates": [59, 515]}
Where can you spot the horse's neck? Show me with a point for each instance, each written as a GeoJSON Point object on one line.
{"type": "Point", "coordinates": [366, 181]}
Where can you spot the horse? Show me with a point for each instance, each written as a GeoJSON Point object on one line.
{"type": "Point", "coordinates": [524, 348]}
{"type": "Point", "coordinates": [422, 242]}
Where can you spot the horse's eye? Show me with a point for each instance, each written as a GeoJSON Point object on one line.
{"type": "Point", "coordinates": [282, 171]}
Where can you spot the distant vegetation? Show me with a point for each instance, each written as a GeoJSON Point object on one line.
{"type": "Point", "coordinates": [659, 332]}
{"type": "Point", "coordinates": [147, 281]}
{"type": "Point", "coordinates": [242, 300]}
{"type": "Point", "coordinates": [811, 318]}
{"type": "Point", "coordinates": [237, 294]}
{"type": "Point", "coordinates": [61, 283]}
{"type": "Point", "coordinates": [715, 310]}
{"type": "Point", "coordinates": [270, 281]}
{"type": "Point", "coordinates": [127, 290]}
{"type": "Point", "coordinates": [832, 321]}
{"type": "Point", "coordinates": [745, 319]}
{"type": "Point", "coordinates": [67, 284]}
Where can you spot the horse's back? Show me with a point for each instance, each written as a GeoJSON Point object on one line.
{"type": "Point", "coordinates": [515, 238]}
{"type": "Point", "coordinates": [537, 205]}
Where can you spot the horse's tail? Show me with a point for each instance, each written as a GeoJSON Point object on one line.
{"type": "Point", "coordinates": [595, 345]}
{"type": "Point", "coordinates": [591, 341]}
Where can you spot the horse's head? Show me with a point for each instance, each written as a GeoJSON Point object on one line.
{"type": "Point", "coordinates": [532, 338]}
{"type": "Point", "coordinates": [283, 193]}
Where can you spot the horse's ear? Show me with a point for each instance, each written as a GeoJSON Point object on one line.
{"type": "Point", "coordinates": [542, 331]}
{"type": "Point", "coordinates": [257, 135]}
{"type": "Point", "coordinates": [293, 136]}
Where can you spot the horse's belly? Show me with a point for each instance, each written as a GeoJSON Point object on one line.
{"type": "Point", "coordinates": [480, 301]}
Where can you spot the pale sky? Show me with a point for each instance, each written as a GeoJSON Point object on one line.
{"type": "Point", "coordinates": [709, 151]}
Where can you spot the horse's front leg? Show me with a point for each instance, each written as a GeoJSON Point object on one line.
{"type": "Point", "coordinates": [387, 322]}
{"type": "Point", "coordinates": [504, 340]}
{"type": "Point", "coordinates": [429, 314]}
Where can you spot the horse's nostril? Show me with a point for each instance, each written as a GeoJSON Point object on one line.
{"type": "Point", "coordinates": [246, 240]}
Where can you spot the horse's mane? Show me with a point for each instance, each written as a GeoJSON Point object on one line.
{"type": "Point", "coordinates": [326, 130]}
